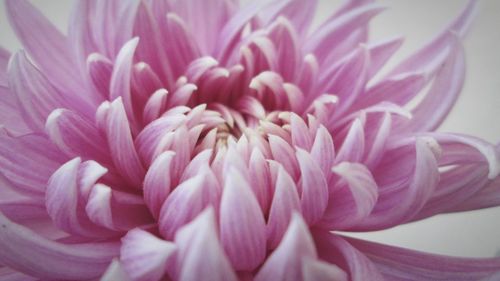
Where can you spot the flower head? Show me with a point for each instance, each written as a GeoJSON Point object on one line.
{"type": "Point", "coordinates": [201, 140]}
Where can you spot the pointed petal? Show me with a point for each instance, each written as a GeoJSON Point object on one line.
{"type": "Point", "coordinates": [200, 254]}
{"type": "Point", "coordinates": [115, 272]}
{"type": "Point", "coordinates": [144, 256]}
{"type": "Point", "coordinates": [353, 147]}
{"type": "Point", "coordinates": [241, 219]}
{"type": "Point", "coordinates": [285, 262]}
{"type": "Point", "coordinates": [399, 263]}
{"type": "Point", "coordinates": [354, 198]}
{"type": "Point", "coordinates": [157, 183]}
{"type": "Point", "coordinates": [285, 202]}
{"type": "Point", "coordinates": [26, 251]}
{"type": "Point", "coordinates": [123, 153]}
{"type": "Point", "coordinates": [314, 197]}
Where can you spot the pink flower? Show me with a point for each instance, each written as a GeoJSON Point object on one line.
{"type": "Point", "coordinates": [197, 140]}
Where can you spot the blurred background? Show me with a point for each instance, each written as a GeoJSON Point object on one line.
{"type": "Point", "coordinates": [474, 234]}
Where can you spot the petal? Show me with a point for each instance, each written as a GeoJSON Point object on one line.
{"type": "Point", "coordinates": [284, 154]}
{"type": "Point", "coordinates": [4, 60]}
{"type": "Point", "coordinates": [32, 254]}
{"type": "Point", "coordinates": [11, 114]}
{"type": "Point", "coordinates": [116, 210]}
{"type": "Point", "coordinates": [121, 77]}
{"type": "Point", "coordinates": [333, 248]}
{"type": "Point", "coordinates": [315, 270]}
{"type": "Point", "coordinates": [157, 183]}
{"type": "Point", "coordinates": [144, 256]}
{"type": "Point", "coordinates": [353, 198]}
{"type": "Point", "coordinates": [76, 136]}
{"type": "Point", "coordinates": [338, 28]}
{"type": "Point", "coordinates": [115, 272]}
{"type": "Point", "coordinates": [285, 262]}
{"type": "Point", "coordinates": [200, 254]}
{"type": "Point", "coordinates": [299, 13]}
{"type": "Point", "coordinates": [285, 202]}
{"type": "Point", "coordinates": [45, 44]}
{"type": "Point", "coordinates": [314, 197]}
{"type": "Point", "coordinates": [323, 150]}
{"type": "Point", "coordinates": [30, 170]}
{"type": "Point", "coordinates": [404, 264]}
{"type": "Point", "coordinates": [187, 201]}
{"type": "Point", "coordinates": [99, 69]}
{"type": "Point", "coordinates": [353, 147]}
{"type": "Point", "coordinates": [241, 219]}
{"type": "Point", "coordinates": [442, 95]}
{"type": "Point", "coordinates": [121, 146]}
{"type": "Point", "coordinates": [64, 199]}
{"type": "Point", "coordinates": [396, 207]}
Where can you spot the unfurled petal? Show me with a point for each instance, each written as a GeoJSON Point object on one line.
{"type": "Point", "coordinates": [24, 250]}
{"type": "Point", "coordinates": [285, 263]}
{"type": "Point", "coordinates": [399, 263]}
{"type": "Point", "coordinates": [200, 254]}
{"type": "Point", "coordinates": [144, 256]}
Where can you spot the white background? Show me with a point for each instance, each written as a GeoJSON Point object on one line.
{"type": "Point", "coordinates": [474, 234]}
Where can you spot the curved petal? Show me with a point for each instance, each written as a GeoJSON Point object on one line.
{"type": "Point", "coordinates": [28, 252]}
{"type": "Point", "coordinates": [200, 254]}
{"type": "Point", "coordinates": [144, 256]}
{"type": "Point", "coordinates": [115, 272]}
{"type": "Point", "coordinates": [403, 264]}
{"type": "Point", "coordinates": [241, 219]}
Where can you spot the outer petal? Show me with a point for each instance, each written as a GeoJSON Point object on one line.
{"type": "Point", "coordinates": [285, 262]}
{"type": "Point", "coordinates": [402, 264]}
{"type": "Point", "coordinates": [25, 251]}
{"type": "Point", "coordinates": [200, 255]}
{"type": "Point", "coordinates": [115, 272]}
{"type": "Point", "coordinates": [335, 249]}
{"type": "Point", "coordinates": [30, 170]}
{"type": "Point", "coordinates": [113, 120]}
{"type": "Point", "coordinates": [144, 256]}
{"type": "Point", "coordinates": [354, 200]}
{"type": "Point", "coordinates": [242, 225]}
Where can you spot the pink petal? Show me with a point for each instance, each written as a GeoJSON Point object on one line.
{"type": "Point", "coordinates": [285, 40]}
{"type": "Point", "coordinates": [353, 147]}
{"type": "Point", "coordinates": [284, 154]}
{"type": "Point", "coordinates": [4, 60]}
{"type": "Point", "coordinates": [397, 207]}
{"type": "Point", "coordinates": [65, 202]}
{"type": "Point", "coordinates": [144, 256]}
{"type": "Point", "coordinates": [99, 69]}
{"type": "Point", "coordinates": [200, 254]}
{"type": "Point", "coordinates": [242, 225]}
{"type": "Point", "coordinates": [115, 271]}
{"type": "Point", "coordinates": [116, 127]}
{"type": "Point", "coordinates": [187, 201]}
{"type": "Point", "coordinates": [11, 114]}
{"type": "Point", "coordinates": [260, 179]}
{"type": "Point", "coordinates": [30, 170]}
{"type": "Point", "coordinates": [338, 28]}
{"type": "Point", "coordinates": [285, 202]}
{"type": "Point", "coordinates": [314, 197]}
{"type": "Point", "coordinates": [404, 264]}
{"type": "Point", "coordinates": [353, 198]}
{"type": "Point", "coordinates": [335, 249]}
{"type": "Point", "coordinates": [298, 12]}
{"type": "Point", "coordinates": [323, 150]}
{"type": "Point", "coordinates": [45, 44]}
{"type": "Point", "coordinates": [442, 95]}
{"type": "Point", "coordinates": [285, 262]}
{"type": "Point", "coordinates": [28, 252]}
{"type": "Point", "coordinates": [315, 270]}
{"type": "Point", "coordinates": [157, 182]}
{"type": "Point", "coordinates": [76, 136]}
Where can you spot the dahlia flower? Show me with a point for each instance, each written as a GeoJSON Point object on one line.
{"type": "Point", "coordinates": [209, 140]}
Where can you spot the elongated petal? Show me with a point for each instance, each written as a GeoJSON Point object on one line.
{"type": "Point", "coordinates": [241, 219]}
{"type": "Point", "coordinates": [285, 202]}
{"type": "Point", "coordinates": [394, 262]}
{"type": "Point", "coordinates": [157, 182]}
{"type": "Point", "coordinates": [353, 201]}
{"type": "Point", "coordinates": [200, 254]}
{"type": "Point", "coordinates": [28, 252]}
{"type": "Point", "coordinates": [335, 249]}
{"type": "Point", "coordinates": [30, 170]}
{"type": "Point", "coordinates": [285, 262]}
{"type": "Point", "coordinates": [187, 200]}
{"type": "Point", "coordinates": [315, 270]}
{"type": "Point", "coordinates": [11, 113]}
{"type": "Point", "coordinates": [314, 197]}
{"type": "Point", "coordinates": [114, 272]}
{"type": "Point", "coordinates": [76, 136]}
{"type": "Point", "coordinates": [123, 153]}
{"type": "Point", "coordinates": [45, 44]}
{"type": "Point", "coordinates": [144, 256]}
